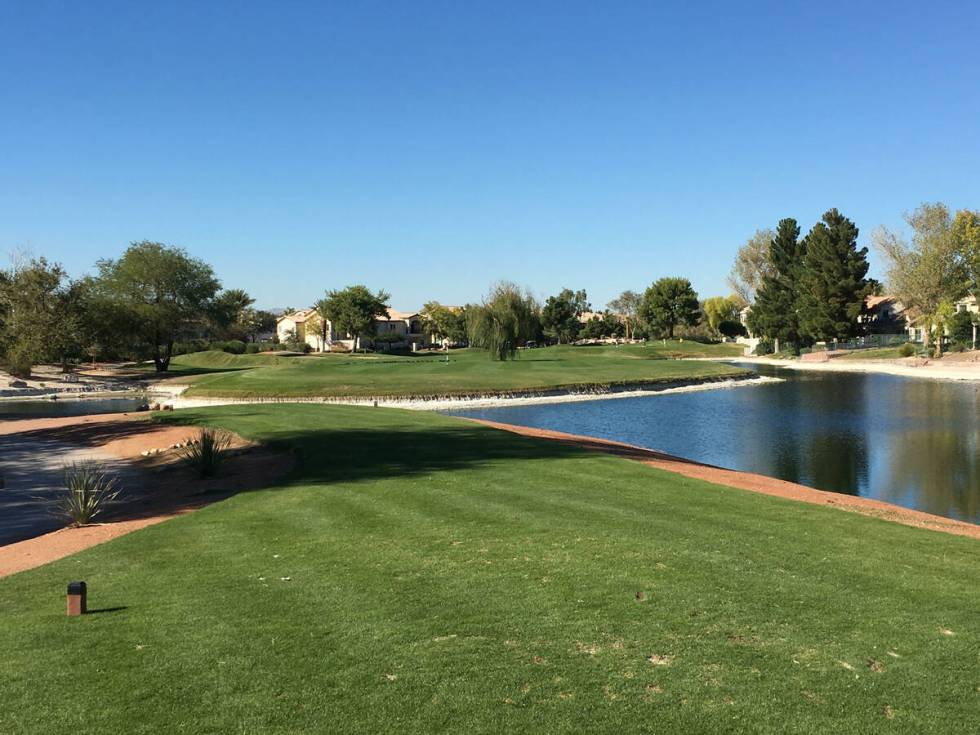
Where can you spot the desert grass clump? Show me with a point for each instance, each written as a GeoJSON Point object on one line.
{"type": "Point", "coordinates": [206, 452]}
{"type": "Point", "coordinates": [88, 488]}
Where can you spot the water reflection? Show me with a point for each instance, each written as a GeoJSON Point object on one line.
{"type": "Point", "coordinates": [70, 406]}
{"type": "Point", "coordinates": [908, 441]}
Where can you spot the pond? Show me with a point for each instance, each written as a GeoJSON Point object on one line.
{"type": "Point", "coordinates": [909, 441]}
{"type": "Point", "coordinates": [70, 406]}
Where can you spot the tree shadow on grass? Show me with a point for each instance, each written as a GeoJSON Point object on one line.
{"type": "Point", "coordinates": [355, 454]}
{"type": "Point", "coordinates": [358, 455]}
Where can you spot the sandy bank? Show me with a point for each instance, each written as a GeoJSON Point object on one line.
{"type": "Point", "coordinates": [932, 369]}
{"type": "Point", "coordinates": [481, 400]}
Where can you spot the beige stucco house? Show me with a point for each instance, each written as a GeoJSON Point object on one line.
{"type": "Point", "coordinates": [309, 328]}
{"type": "Point", "coordinates": [968, 304]}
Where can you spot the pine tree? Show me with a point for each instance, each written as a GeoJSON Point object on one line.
{"type": "Point", "coordinates": [775, 312]}
{"type": "Point", "coordinates": [833, 282]}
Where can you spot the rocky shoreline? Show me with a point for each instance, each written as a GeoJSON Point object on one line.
{"type": "Point", "coordinates": [484, 399]}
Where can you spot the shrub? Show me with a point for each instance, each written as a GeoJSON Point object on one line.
{"type": "Point", "coordinates": [88, 488]}
{"type": "Point", "coordinates": [231, 346]}
{"type": "Point", "coordinates": [765, 347]}
{"type": "Point", "coordinates": [252, 349]}
{"type": "Point", "coordinates": [961, 327]}
{"type": "Point", "coordinates": [906, 350]}
{"type": "Point", "coordinates": [190, 346]}
{"type": "Point", "coordinates": [19, 362]}
{"type": "Point", "coordinates": [206, 453]}
{"type": "Point", "coordinates": [732, 329]}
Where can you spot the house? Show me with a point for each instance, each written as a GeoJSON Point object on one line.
{"type": "Point", "coordinates": [968, 304]}
{"type": "Point", "coordinates": [883, 315]}
{"type": "Point", "coordinates": [587, 316]}
{"type": "Point", "coordinates": [295, 324]}
{"type": "Point", "coordinates": [405, 326]}
{"type": "Point", "coordinates": [749, 340]}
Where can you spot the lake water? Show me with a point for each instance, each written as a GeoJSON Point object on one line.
{"type": "Point", "coordinates": [69, 406]}
{"type": "Point", "coordinates": [909, 441]}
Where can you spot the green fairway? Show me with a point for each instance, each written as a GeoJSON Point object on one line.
{"type": "Point", "coordinates": [466, 372]}
{"type": "Point", "coordinates": [419, 573]}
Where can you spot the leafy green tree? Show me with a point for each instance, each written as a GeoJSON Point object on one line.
{"type": "Point", "coordinates": [507, 319]}
{"type": "Point", "coordinates": [560, 315]}
{"type": "Point", "coordinates": [43, 315]}
{"type": "Point", "coordinates": [931, 271]}
{"type": "Point", "coordinates": [444, 322]}
{"type": "Point", "coordinates": [606, 325]}
{"type": "Point", "coordinates": [354, 310]}
{"type": "Point", "coordinates": [833, 283]}
{"type": "Point", "coordinates": [751, 265]}
{"type": "Point", "coordinates": [72, 331]}
{"type": "Point", "coordinates": [627, 306]}
{"type": "Point", "coordinates": [775, 313]}
{"type": "Point", "coordinates": [961, 326]}
{"type": "Point", "coordinates": [966, 235]}
{"type": "Point", "coordinates": [670, 302]}
{"type": "Point", "coordinates": [153, 296]}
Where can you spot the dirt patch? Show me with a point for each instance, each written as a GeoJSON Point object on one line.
{"type": "Point", "coordinates": [170, 488]}
{"type": "Point", "coordinates": [750, 481]}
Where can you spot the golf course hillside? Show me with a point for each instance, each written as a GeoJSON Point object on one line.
{"type": "Point", "coordinates": [421, 573]}
{"type": "Point", "coordinates": [456, 373]}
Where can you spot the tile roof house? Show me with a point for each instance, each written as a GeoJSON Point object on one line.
{"type": "Point", "coordinates": [309, 328]}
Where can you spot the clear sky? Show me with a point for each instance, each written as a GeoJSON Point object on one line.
{"type": "Point", "coordinates": [433, 148]}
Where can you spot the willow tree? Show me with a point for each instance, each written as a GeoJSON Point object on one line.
{"type": "Point", "coordinates": [507, 318]}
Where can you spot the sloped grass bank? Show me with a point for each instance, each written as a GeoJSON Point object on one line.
{"type": "Point", "coordinates": [464, 373]}
{"type": "Point", "coordinates": [417, 573]}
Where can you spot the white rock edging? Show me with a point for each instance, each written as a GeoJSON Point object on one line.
{"type": "Point", "coordinates": [177, 400]}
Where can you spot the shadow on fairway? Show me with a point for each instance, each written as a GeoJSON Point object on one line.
{"type": "Point", "coordinates": [354, 455]}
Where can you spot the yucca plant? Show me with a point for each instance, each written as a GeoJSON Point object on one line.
{"type": "Point", "coordinates": [206, 452]}
{"type": "Point", "coordinates": [88, 488]}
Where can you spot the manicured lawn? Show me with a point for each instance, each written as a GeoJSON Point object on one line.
{"type": "Point", "coordinates": [467, 371]}
{"type": "Point", "coordinates": [873, 353]}
{"type": "Point", "coordinates": [418, 573]}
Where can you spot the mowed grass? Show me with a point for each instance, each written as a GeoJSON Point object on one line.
{"type": "Point", "coordinates": [873, 353]}
{"type": "Point", "coordinates": [466, 371]}
{"type": "Point", "coordinates": [419, 573]}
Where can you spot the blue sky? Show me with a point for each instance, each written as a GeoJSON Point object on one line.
{"type": "Point", "coordinates": [433, 148]}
